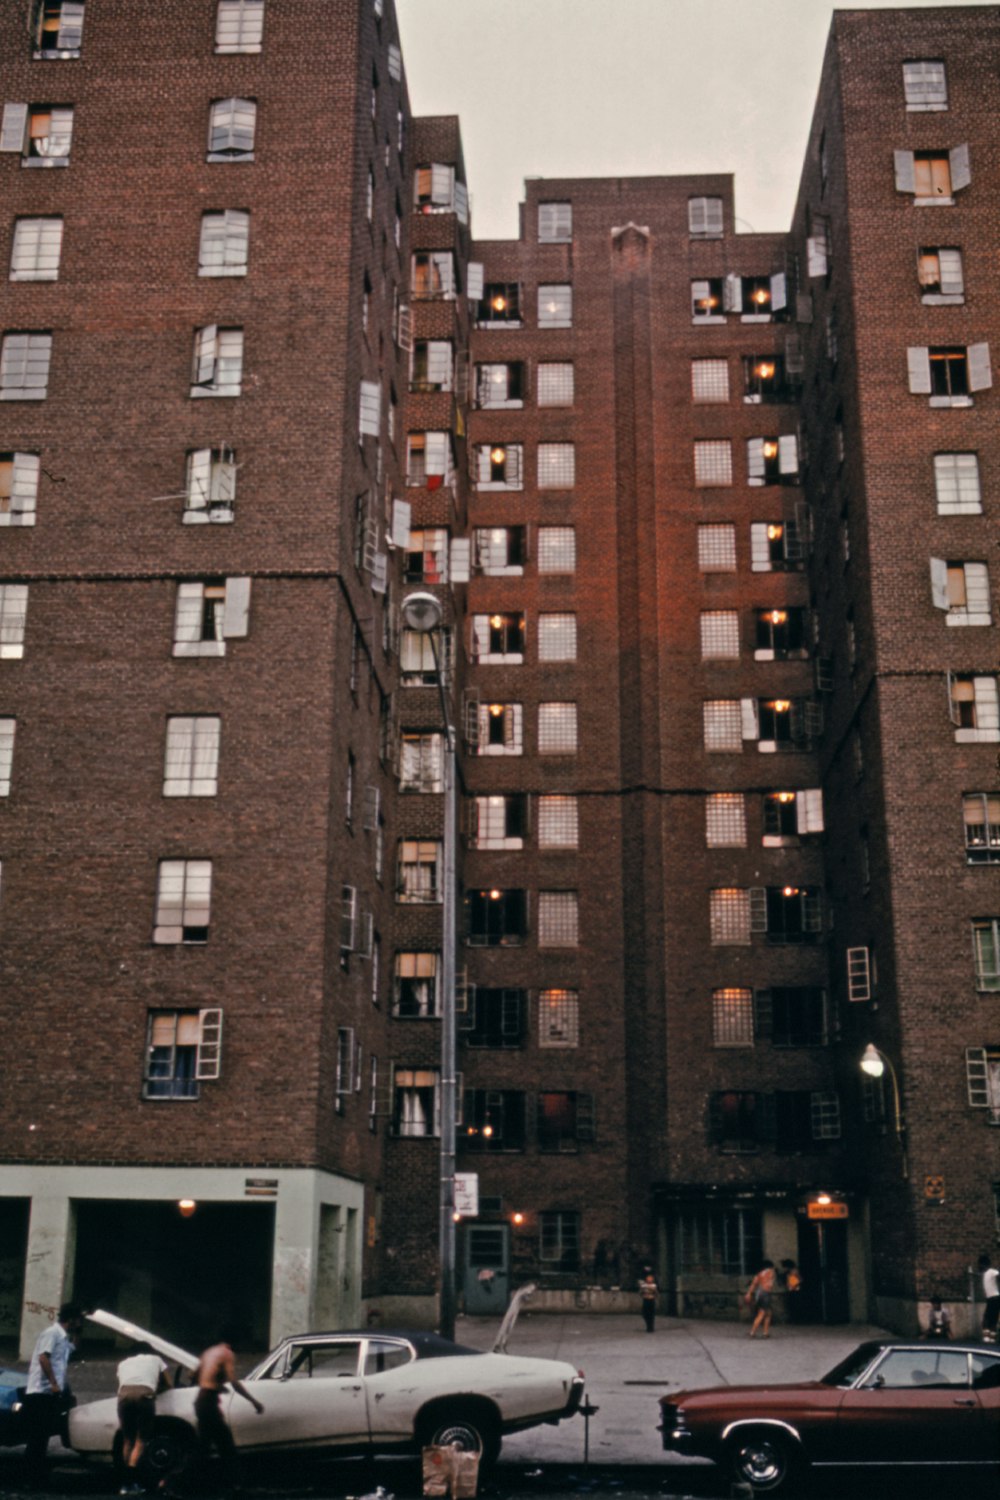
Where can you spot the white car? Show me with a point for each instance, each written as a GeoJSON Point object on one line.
{"type": "Point", "coordinates": [350, 1392]}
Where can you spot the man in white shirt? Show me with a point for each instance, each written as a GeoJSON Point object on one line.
{"type": "Point", "coordinates": [48, 1395]}
{"type": "Point", "coordinates": [140, 1376]}
{"type": "Point", "coordinates": [991, 1291]}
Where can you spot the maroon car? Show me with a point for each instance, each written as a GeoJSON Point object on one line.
{"type": "Point", "coordinates": [887, 1404]}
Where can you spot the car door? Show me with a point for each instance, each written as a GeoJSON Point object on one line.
{"type": "Point", "coordinates": [392, 1390]}
{"type": "Point", "coordinates": [916, 1406]}
{"type": "Point", "coordinates": [313, 1397]}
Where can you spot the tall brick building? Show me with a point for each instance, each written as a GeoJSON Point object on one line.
{"type": "Point", "coordinates": [700, 508]}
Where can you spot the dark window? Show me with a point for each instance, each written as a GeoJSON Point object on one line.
{"type": "Point", "coordinates": [793, 914]}
{"type": "Point", "coordinates": [564, 1119]}
{"type": "Point", "coordinates": [735, 1118]}
{"type": "Point", "coordinates": [497, 918]}
{"type": "Point", "coordinates": [493, 1120]}
{"type": "Point", "coordinates": [949, 372]}
{"type": "Point", "coordinates": [798, 1016]}
{"type": "Point", "coordinates": [496, 1018]}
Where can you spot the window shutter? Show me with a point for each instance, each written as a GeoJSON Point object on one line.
{"type": "Point", "coordinates": [804, 307]}
{"type": "Point", "coordinates": [980, 374]}
{"type": "Point", "coordinates": [206, 354]}
{"type": "Point", "coordinates": [812, 911]}
{"type": "Point", "coordinates": [474, 714]}
{"type": "Point", "coordinates": [794, 357]}
{"type": "Point", "coordinates": [755, 458]}
{"type": "Point", "coordinates": [236, 619]}
{"type": "Point", "coordinates": [395, 61]}
{"type": "Point", "coordinates": [199, 478]}
{"type": "Point", "coordinates": [380, 573]}
{"type": "Point", "coordinates": [950, 269]}
{"type": "Point", "coordinates": [817, 259]}
{"type": "Point", "coordinates": [939, 584]}
{"type": "Point", "coordinates": [586, 1119]}
{"type": "Point", "coordinates": [919, 365]}
{"type": "Point", "coordinates": [24, 482]}
{"type": "Point", "coordinates": [763, 1014]}
{"type": "Point", "coordinates": [779, 291]}
{"type": "Point", "coordinates": [366, 943]}
{"type": "Point", "coordinates": [977, 1077]}
{"type": "Point", "coordinates": [370, 409]}
{"type": "Point", "coordinates": [859, 980]}
{"type": "Point", "coordinates": [373, 802]}
{"type": "Point", "coordinates": [732, 293]}
{"type": "Point", "coordinates": [474, 281]}
{"type": "Point", "coordinates": [960, 168]}
{"type": "Point", "coordinates": [512, 725]}
{"type": "Point", "coordinates": [798, 533]}
{"type": "Point", "coordinates": [404, 329]}
{"type": "Point", "coordinates": [906, 176]}
{"type": "Point", "coordinates": [760, 549]}
{"type": "Point", "coordinates": [758, 908]}
{"type": "Point", "coordinates": [402, 512]}
{"type": "Point", "coordinates": [824, 674]}
{"type": "Point", "coordinates": [14, 127]}
{"type": "Point", "coordinates": [461, 549]}
{"type": "Point", "coordinates": [809, 810]}
{"type": "Point", "coordinates": [462, 202]}
{"type": "Point", "coordinates": [436, 454]}
{"type": "Point", "coordinates": [749, 719]}
{"type": "Point", "coordinates": [788, 454]}
{"type": "Point", "coordinates": [953, 710]}
{"type": "Point", "coordinates": [348, 917]}
{"type": "Point", "coordinates": [70, 35]}
{"type": "Point", "coordinates": [208, 1056]}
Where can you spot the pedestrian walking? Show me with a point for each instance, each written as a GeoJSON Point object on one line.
{"type": "Point", "coordinates": [759, 1294]}
{"type": "Point", "coordinates": [792, 1278]}
{"type": "Point", "coordinates": [48, 1394]}
{"type": "Point", "coordinates": [938, 1321]}
{"type": "Point", "coordinates": [216, 1371]}
{"type": "Point", "coordinates": [991, 1291]}
{"type": "Point", "coordinates": [648, 1291]}
{"type": "Point", "coordinates": [140, 1377]}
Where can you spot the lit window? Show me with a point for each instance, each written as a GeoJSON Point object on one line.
{"type": "Point", "coordinates": [956, 484]}
{"type": "Point", "coordinates": [432, 274]}
{"type": "Point", "coordinates": [555, 223]}
{"type": "Point", "coordinates": [981, 820]}
{"type": "Point", "coordinates": [239, 25]}
{"type": "Point", "coordinates": [500, 305]}
{"type": "Point", "coordinates": [498, 638]}
{"type": "Point", "coordinates": [764, 379]}
{"type": "Point", "coordinates": [501, 821]}
{"type": "Point", "coordinates": [419, 871]}
{"type": "Point", "coordinates": [773, 460]}
{"type": "Point", "coordinates": [558, 822]}
{"type": "Point", "coordinates": [183, 901]}
{"type": "Point", "coordinates": [24, 366]}
{"type": "Point", "coordinates": [500, 386]}
{"type": "Point", "coordinates": [732, 1018]}
{"type": "Point", "coordinates": [556, 466]}
{"type": "Point", "coordinates": [925, 85]}
{"type": "Point", "coordinates": [58, 29]}
{"type": "Point", "coordinates": [713, 463]}
{"type": "Point", "coordinates": [558, 919]}
{"type": "Point", "coordinates": [497, 728]}
{"type": "Point", "coordinates": [717, 549]}
{"type": "Point", "coordinates": [940, 274]}
{"type": "Point", "coordinates": [557, 637]}
{"type": "Point", "coordinates": [710, 380]}
{"type": "Point", "coordinates": [558, 1018]}
{"type": "Point", "coordinates": [557, 729]}
{"type": "Point", "coordinates": [499, 466]}
{"type": "Point", "coordinates": [556, 384]}
{"type": "Point", "coordinates": [720, 634]}
{"type": "Point", "coordinates": [775, 547]}
{"type": "Point", "coordinates": [556, 549]}
{"type": "Point", "coordinates": [497, 918]}
{"type": "Point", "coordinates": [706, 300]}
{"type": "Point", "coordinates": [13, 618]}
{"type": "Point", "coordinates": [183, 1050]}
{"type": "Point", "coordinates": [415, 988]}
{"type": "Point", "coordinates": [729, 918]}
{"type": "Point", "coordinates": [781, 633]}
{"type": "Point", "coordinates": [421, 761]}
{"type": "Point", "coordinates": [218, 362]}
{"type": "Point", "coordinates": [416, 1103]}
{"type": "Point", "coordinates": [191, 761]}
{"type": "Point", "coordinates": [555, 306]}
{"type": "Point", "coordinates": [725, 820]}
{"type": "Point", "coordinates": [231, 127]}
{"type": "Point", "coordinates": [19, 473]}
{"type": "Point", "coordinates": [225, 243]}
{"type": "Point", "coordinates": [36, 249]}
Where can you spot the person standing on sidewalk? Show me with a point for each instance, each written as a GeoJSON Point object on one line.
{"type": "Point", "coordinates": [48, 1393]}
{"type": "Point", "coordinates": [140, 1376]}
{"type": "Point", "coordinates": [648, 1291]}
{"type": "Point", "coordinates": [991, 1291]}
{"type": "Point", "coordinates": [759, 1296]}
{"type": "Point", "coordinates": [216, 1370]}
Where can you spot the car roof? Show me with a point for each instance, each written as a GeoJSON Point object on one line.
{"type": "Point", "coordinates": [427, 1345]}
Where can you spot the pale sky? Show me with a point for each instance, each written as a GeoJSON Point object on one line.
{"type": "Point", "coordinates": [602, 88]}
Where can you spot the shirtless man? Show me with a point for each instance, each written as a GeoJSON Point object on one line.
{"type": "Point", "coordinates": [216, 1371]}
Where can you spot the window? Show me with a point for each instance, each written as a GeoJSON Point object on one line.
{"type": "Point", "coordinates": [432, 274]}
{"type": "Point", "coordinates": [428, 459]}
{"type": "Point", "coordinates": [555, 223]}
{"type": "Point", "coordinates": [556, 466]}
{"type": "Point", "coordinates": [555, 306]}
{"type": "Point", "coordinates": [932, 176]}
{"type": "Point", "coordinates": [500, 386]}
{"type": "Point", "coordinates": [497, 728]}
{"type": "Point", "coordinates": [208, 614]}
{"type": "Point", "coordinates": [557, 729]}
{"type": "Point", "coordinates": [729, 918]}
{"type": "Point", "coordinates": [556, 384]}
{"type": "Point", "coordinates": [191, 760]}
{"type": "Point", "coordinates": [925, 86]}
{"type": "Point", "coordinates": [975, 708]}
{"type": "Point", "coordinates": [557, 637]}
{"type": "Point", "coordinates": [416, 1106]}
{"type": "Point", "coordinates": [780, 634]}
{"type": "Point", "coordinates": [962, 589]}
{"type": "Point", "coordinates": [370, 412]}
{"type": "Point", "coordinates": [558, 822]}
{"type": "Point", "coordinates": [35, 252]}
{"type": "Point", "coordinates": [804, 1118]}
{"type": "Point", "coordinates": [713, 463]}
{"type": "Point", "coordinates": [765, 379]}
{"type": "Point", "coordinates": [499, 466]}
{"type": "Point", "coordinates": [13, 616]}
{"type": "Point", "coordinates": [183, 1050]}
{"type": "Point", "coordinates": [501, 821]}
{"type": "Point", "coordinates": [496, 1019]}
{"type": "Point", "coordinates": [723, 724]}
{"type": "Point", "coordinates": [705, 217]}
{"type": "Point", "coordinates": [756, 298]}
{"type": "Point", "coordinates": [500, 305]}
{"type": "Point", "coordinates": [421, 761]}
{"type": "Point", "coordinates": [426, 557]}
{"type": "Point", "coordinates": [346, 1070]}
{"type": "Point", "coordinates": [415, 991]}
{"type": "Point", "coordinates": [735, 1122]}
{"type": "Point", "coordinates": [231, 127]}
{"type": "Point", "coordinates": [720, 634]}
{"type": "Point", "coordinates": [948, 375]}
{"type": "Point", "coordinates": [725, 820]}
{"type": "Point", "coordinates": [432, 365]}
{"type": "Point", "coordinates": [437, 192]}
{"type": "Point", "coordinates": [24, 366]}
{"type": "Point", "coordinates": [706, 300]}
{"type": "Point", "coordinates": [418, 872]}
{"type": "Point", "coordinates": [986, 948]}
{"type": "Point", "coordinates": [982, 1076]}
{"type": "Point", "coordinates": [773, 460]}
{"type": "Point", "coordinates": [775, 547]}
{"type": "Point", "coordinates": [981, 819]}
{"type": "Point", "coordinates": [497, 918]}
{"type": "Point", "coordinates": [790, 816]}
{"type": "Point", "coordinates": [564, 1119]}
{"type": "Point", "coordinates": [793, 1016]}
{"type": "Point", "coordinates": [500, 550]}
{"type": "Point", "coordinates": [732, 1018]}
{"type": "Point", "coordinates": [558, 919]}
{"type": "Point", "coordinates": [218, 361]}
{"type": "Point", "coordinates": [183, 901]}
{"type": "Point", "coordinates": [559, 1246]}
{"type": "Point", "coordinates": [717, 549]}
{"type": "Point", "coordinates": [787, 913]}
{"type": "Point", "coordinates": [418, 666]}
{"type": "Point", "coordinates": [239, 25]}
{"type": "Point", "coordinates": [939, 273]}
{"type": "Point", "coordinates": [7, 728]}
{"type": "Point", "coordinates": [58, 29]}
{"type": "Point", "coordinates": [558, 1018]}
{"type": "Point", "coordinates": [492, 1119]}
{"type": "Point", "coordinates": [19, 473]}
{"type": "Point", "coordinates": [225, 243]}
{"type": "Point", "coordinates": [956, 484]}
{"type": "Point", "coordinates": [210, 488]}
{"type": "Point", "coordinates": [40, 133]}
{"type": "Point", "coordinates": [710, 380]}
{"type": "Point", "coordinates": [556, 549]}
{"type": "Point", "coordinates": [714, 1238]}
{"type": "Point", "coordinates": [498, 639]}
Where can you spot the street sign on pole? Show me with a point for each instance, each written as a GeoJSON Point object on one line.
{"type": "Point", "coordinates": [467, 1194]}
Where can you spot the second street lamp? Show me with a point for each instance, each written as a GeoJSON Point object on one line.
{"type": "Point", "coordinates": [875, 1064]}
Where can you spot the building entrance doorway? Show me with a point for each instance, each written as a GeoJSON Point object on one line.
{"type": "Point", "coordinates": [823, 1263]}
{"type": "Point", "coordinates": [486, 1269]}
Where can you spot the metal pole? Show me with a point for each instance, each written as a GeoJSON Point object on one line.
{"type": "Point", "coordinates": [448, 1081]}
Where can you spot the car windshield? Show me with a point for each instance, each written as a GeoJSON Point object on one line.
{"type": "Point", "coordinates": [849, 1369]}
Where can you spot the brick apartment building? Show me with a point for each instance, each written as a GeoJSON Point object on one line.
{"type": "Point", "coordinates": [700, 508]}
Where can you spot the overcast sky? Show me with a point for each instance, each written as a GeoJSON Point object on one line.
{"type": "Point", "coordinates": [599, 88]}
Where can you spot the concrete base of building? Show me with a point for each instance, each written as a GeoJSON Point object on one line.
{"type": "Point", "coordinates": [908, 1317]}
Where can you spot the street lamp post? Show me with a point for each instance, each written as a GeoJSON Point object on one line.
{"type": "Point", "coordinates": [875, 1063]}
{"type": "Point", "coordinates": [422, 612]}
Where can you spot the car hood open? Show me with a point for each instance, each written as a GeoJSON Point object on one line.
{"type": "Point", "coordinates": [143, 1336]}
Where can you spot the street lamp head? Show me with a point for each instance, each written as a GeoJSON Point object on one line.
{"type": "Point", "coordinates": [421, 612]}
{"type": "Point", "coordinates": [872, 1061]}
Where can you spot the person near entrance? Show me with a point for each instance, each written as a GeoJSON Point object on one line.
{"type": "Point", "coordinates": [140, 1376]}
{"type": "Point", "coordinates": [216, 1371]}
{"type": "Point", "coordinates": [759, 1294]}
{"type": "Point", "coordinates": [938, 1321]}
{"type": "Point", "coordinates": [792, 1278]}
{"type": "Point", "coordinates": [48, 1394]}
{"type": "Point", "coordinates": [991, 1291]}
{"type": "Point", "coordinates": [648, 1291]}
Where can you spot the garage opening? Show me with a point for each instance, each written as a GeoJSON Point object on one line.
{"type": "Point", "coordinates": [13, 1253]}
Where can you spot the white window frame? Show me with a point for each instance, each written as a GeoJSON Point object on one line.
{"type": "Point", "coordinates": [555, 305]}
{"type": "Point", "coordinates": [555, 223]}
{"type": "Point", "coordinates": [985, 698]}
{"type": "Point", "coordinates": [191, 755]}
{"type": "Point", "coordinates": [556, 466]}
{"type": "Point", "coordinates": [925, 85]}
{"type": "Point", "coordinates": [423, 966]}
{"type": "Point", "coordinates": [19, 491]}
{"type": "Point", "coordinates": [25, 363]}
{"type": "Point", "coordinates": [239, 26]}
{"type": "Point", "coordinates": [210, 486]}
{"type": "Point", "coordinates": [183, 901]}
{"type": "Point", "coordinates": [224, 243]}
{"type": "Point", "coordinates": [13, 620]}
{"type": "Point", "coordinates": [957, 487]}
{"type": "Point", "coordinates": [36, 249]}
{"type": "Point", "coordinates": [230, 614]}
{"type": "Point", "coordinates": [232, 129]}
{"type": "Point", "coordinates": [986, 953]}
{"type": "Point", "coordinates": [206, 1027]}
{"type": "Point", "coordinates": [217, 367]}
{"type": "Point", "coordinates": [556, 383]}
{"type": "Point", "coordinates": [705, 218]}
{"type": "Point", "coordinates": [8, 730]}
{"type": "Point", "coordinates": [68, 32]}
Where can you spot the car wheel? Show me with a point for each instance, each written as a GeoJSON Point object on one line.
{"type": "Point", "coordinates": [473, 1432]}
{"type": "Point", "coordinates": [168, 1450]}
{"type": "Point", "coordinates": [763, 1459]}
